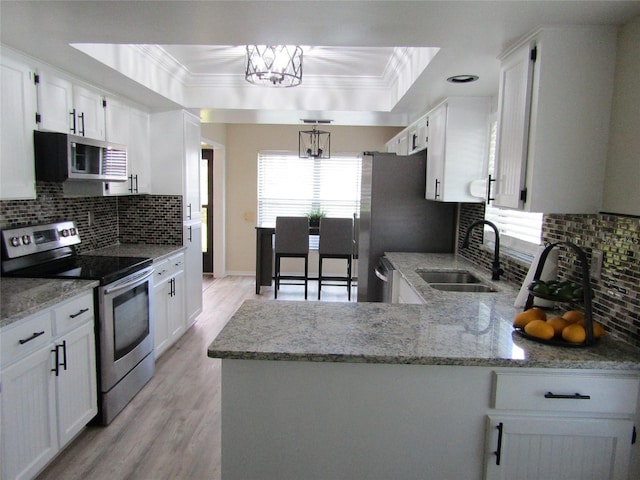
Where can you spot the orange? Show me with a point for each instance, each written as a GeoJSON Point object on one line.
{"type": "Point", "coordinates": [573, 316]}
{"type": "Point", "coordinates": [522, 318]}
{"type": "Point", "coordinates": [558, 324]}
{"type": "Point", "coordinates": [574, 333]}
{"type": "Point", "coordinates": [598, 330]}
{"type": "Point", "coordinates": [539, 329]}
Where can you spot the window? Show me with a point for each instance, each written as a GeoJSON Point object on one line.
{"type": "Point", "coordinates": [520, 232]}
{"type": "Point", "coordinates": [291, 186]}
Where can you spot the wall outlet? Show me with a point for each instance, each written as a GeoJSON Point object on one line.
{"type": "Point", "coordinates": [596, 264]}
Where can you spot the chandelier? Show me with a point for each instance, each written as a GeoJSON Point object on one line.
{"type": "Point", "coordinates": [314, 143]}
{"type": "Point", "coordinates": [274, 65]}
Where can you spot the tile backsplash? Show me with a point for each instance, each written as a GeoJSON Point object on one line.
{"type": "Point", "coordinates": [129, 219]}
{"type": "Point", "coordinates": [616, 302]}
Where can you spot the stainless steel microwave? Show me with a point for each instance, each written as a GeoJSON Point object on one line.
{"type": "Point", "coordinates": [60, 157]}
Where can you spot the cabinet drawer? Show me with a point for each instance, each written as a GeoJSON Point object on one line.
{"type": "Point", "coordinates": [566, 392]}
{"type": "Point", "coordinates": [23, 337]}
{"type": "Point", "coordinates": [73, 313]}
{"type": "Point", "coordinates": [167, 268]}
{"type": "Point", "coordinates": [160, 271]}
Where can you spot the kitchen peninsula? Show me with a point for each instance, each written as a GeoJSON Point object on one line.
{"type": "Point", "coordinates": [371, 390]}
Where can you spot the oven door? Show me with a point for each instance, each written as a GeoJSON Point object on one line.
{"type": "Point", "coordinates": [125, 333]}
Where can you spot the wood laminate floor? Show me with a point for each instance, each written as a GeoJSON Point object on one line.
{"type": "Point", "coordinates": [171, 429]}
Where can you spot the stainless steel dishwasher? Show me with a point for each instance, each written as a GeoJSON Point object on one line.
{"type": "Point", "coordinates": [384, 271]}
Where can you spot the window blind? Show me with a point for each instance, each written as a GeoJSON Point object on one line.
{"type": "Point", "coordinates": [293, 186]}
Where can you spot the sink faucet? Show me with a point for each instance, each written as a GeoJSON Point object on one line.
{"type": "Point", "coordinates": [496, 271]}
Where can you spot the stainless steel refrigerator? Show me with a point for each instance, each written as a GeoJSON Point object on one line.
{"type": "Point", "coordinates": [396, 217]}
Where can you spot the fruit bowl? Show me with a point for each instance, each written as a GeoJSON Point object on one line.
{"type": "Point", "coordinates": [557, 291]}
{"type": "Point", "coordinates": [556, 342]}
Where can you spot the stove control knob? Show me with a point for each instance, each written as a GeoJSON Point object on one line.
{"type": "Point", "coordinates": [65, 232]}
{"type": "Point", "coordinates": [15, 241]}
{"type": "Point", "coordinates": [26, 239]}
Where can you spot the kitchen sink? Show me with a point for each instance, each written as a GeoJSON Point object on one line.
{"type": "Point", "coordinates": [448, 276]}
{"type": "Point", "coordinates": [462, 287]}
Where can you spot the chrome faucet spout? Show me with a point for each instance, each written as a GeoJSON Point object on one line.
{"type": "Point", "coordinates": [496, 271]}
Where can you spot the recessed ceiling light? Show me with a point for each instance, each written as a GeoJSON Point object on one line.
{"type": "Point", "coordinates": [462, 79]}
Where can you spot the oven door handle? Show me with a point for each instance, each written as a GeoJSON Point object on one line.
{"type": "Point", "coordinates": [131, 280]}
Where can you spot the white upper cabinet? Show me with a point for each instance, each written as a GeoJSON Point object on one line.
{"type": "Point", "coordinates": [399, 144]}
{"type": "Point", "coordinates": [554, 107]}
{"type": "Point", "coordinates": [458, 132]}
{"type": "Point", "coordinates": [18, 99]}
{"type": "Point", "coordinates": [417, 135]}
{"type": "Point", "coordinates": [129, 126]}
{"type": "Point", "coordinates": [67, 108]}
{"type": "Point", "coordinates": [175, 149]}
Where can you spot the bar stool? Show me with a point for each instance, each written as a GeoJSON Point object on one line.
{"type": "Point", "coordinates": [336, 241]}
{"type": "Point", "coordinates": [292, 240]}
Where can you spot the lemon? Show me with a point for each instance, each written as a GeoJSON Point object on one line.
{"type": "Point", "coordinates": [573, 316]}
{"type": "Point", "coordinates": [558, 324]}
{"type": "Point", "coordinates": [522, 318]}
{"type": "Point", "coordinates": [598, 330]}
{"type": "Point", "coordinates": [539, 329]}
{"type": "Point", "coordinates": [574, 333]}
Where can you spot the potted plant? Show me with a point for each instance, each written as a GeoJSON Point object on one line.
{"type": "Point", "coordinates": [314, 215]}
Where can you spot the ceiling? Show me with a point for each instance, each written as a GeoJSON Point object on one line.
{"type": "Point", "coordinates": [365, 62]}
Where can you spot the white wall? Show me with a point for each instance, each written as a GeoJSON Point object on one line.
{"type": "Point", "coordinates": [622, 181]}
{"type": "Point", "coordinates": [242, 146]}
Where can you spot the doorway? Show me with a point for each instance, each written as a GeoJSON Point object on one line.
{"type": "Point", "coordinates": [206, 188]}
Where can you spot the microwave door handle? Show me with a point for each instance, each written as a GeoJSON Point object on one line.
{"type": "Point", "coordinates": [146, 273]}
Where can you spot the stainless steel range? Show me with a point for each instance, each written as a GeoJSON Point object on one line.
{"type": "Point", "coordinates": [124, 324]}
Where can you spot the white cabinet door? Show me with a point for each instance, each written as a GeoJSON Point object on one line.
{"type": "Point", "coordinates": [67, 108]}
{"type": "Point", "coordinates": [436, 152]}
{"type": "Point", "coordinates": [169, 314]}
{"type": "Point", "coordinates": [55, 103]}
{"type": "Point", "coordinates": [176, 307]}
{"type": "Point", "coordinates": [514, 104]}
{"type": "Point", "coordinates": [193, 270]}
{"type": "Point", "coordinates": [118, 122]}
{"type": "Point", "coordinates": [458, 148]}
{"type": "Point", "coordinates": [160, 306]}
{"type": "Point", "coordinates": [406, 294]}
{"type": "Point", "coordinates": [130, 127]}
{"type": "Point", "coordinates": [192, 157]}
{"type": "Point", "coordinates": [29, 431]}
{"type": "Point", "coordinates": [76, 388]}
{"type": "Point", "coordinates": [175, 148]}
{"type": "Point", "coordinates": [18, 120]}
{"type": "Point", "coordinates": [542, 448]}
{"type": "Point", "coordinates": [89, 113]}
{"type": "Point", "coordinates": [553, 119]}
{"type": "Point", "coordinates": [139, 155]}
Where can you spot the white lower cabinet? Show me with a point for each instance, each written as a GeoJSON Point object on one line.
{"type": "Point", "coordinates": [192, 239]}
{"type": "Point", "coordinates": [169, 314]}
{"type": "Point", "coordinates": [29, 430]}
{"type": "Point", "coordinates": [561, 425]}
{"type": "Point", "coordinates": [547, 447]}
{"type": "Point", "coordinates": [48, 378]}
{"type": "Point", "coordinates": [405, 294]}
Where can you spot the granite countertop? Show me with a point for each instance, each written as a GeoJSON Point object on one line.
{"type": "Point", "coordinates": [451, 328]}
{"type": "Point", "coordinates": [157, 252]}
{"type": "Point", "coordinates": [22, 297]}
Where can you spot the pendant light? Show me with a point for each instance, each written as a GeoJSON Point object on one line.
{"type": "Point", "coordinates": [314, 143]}
{"type": "Point", "coordinates": [274, 65]}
